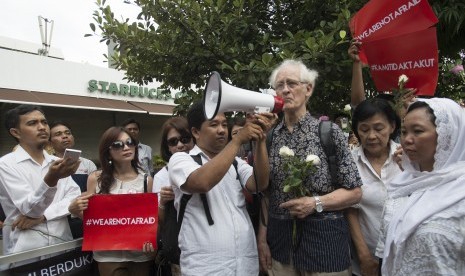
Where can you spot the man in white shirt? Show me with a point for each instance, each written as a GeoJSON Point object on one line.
{"type": "Point", "coordinates": [226, 247]}
{"type": "Point", "coordinates": [35, 187]}
{"type": "Point", "coordinates": [145, 152]}
{"type": "Point", "coordinates": [61, 138]}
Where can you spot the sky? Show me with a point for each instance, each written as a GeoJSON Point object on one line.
{"type": "Point", "coordinates": [19, 20]}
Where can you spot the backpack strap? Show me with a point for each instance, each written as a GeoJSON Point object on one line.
{"type": "Point", "coordinates": [145, 182]}
{"type": "Point", "coordinates": [203, 197]}
{"type": "Point", "coordinates": [247, 194]}
{"type": "Point", "coordinates": [269, 139]}
{"type": "Point", "coordinates": [182, 207]}
{"type": "Point", "coordinates": [237, 172]}
{"type": "Point", "coordinates": [325, 132]}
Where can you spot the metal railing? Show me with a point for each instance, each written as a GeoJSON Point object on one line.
{"type": "Point", "coordinates": [41, 251]}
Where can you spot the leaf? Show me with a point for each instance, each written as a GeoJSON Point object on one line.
{"type": "Point", "coordinates": [266, 58]}
{"type": "Point", "coordinates": [342, 34]}
{"type": "Point", "coordinates": [286, 189]}
{"type": "Point", "coordinates": [92, 26]}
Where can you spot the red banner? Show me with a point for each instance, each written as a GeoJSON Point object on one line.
{"type": "Point", "coordinates": [414, 55]}
{"type": "Point", "coordinates": [120, 222]}
{"type": "Point", "coordinates": [380, 19]}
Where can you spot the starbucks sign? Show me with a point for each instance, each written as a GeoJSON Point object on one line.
{"type": "Point", "coordinates": [126, 90]}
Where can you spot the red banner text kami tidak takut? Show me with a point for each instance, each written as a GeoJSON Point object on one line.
{"type": "Point", "coordinates": [414, 54]}
{"type": "Point", "coordinates": [120, 222]}
{"type": "Point", "coordinates": [380, 19]}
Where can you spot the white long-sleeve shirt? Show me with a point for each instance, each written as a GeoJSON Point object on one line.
{"type": "Point", "coordinates": [23, 191]}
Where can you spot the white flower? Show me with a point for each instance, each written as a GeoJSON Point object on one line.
{"type": "Point", "coordinates": [285, 151]}
{"type": "Point", "coordinates": [403, 79]}
{"type": "Point", "coordinates": [314, 159]}
{"type": "Point", "coordinates": [344, 123]}
{"type": "Point", "coordinates": [347, 107]}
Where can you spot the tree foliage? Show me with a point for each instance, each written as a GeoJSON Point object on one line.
{"type": "Point", "coordinates": [180, 42]}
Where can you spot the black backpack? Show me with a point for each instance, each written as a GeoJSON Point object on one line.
{"type": "Point", "coordinates": [168, 233]}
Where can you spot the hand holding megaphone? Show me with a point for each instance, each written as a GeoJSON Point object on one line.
{"type": "Point", "coordinates": [257, 127]}
{"type": "Point", "coordinates": [220, 97]}
{"type": "Point", "coordinates": [250, 132]}
{"type": "Point", "coordinates": [265, 120]}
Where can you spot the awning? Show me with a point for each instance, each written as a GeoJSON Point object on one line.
{"type": "Point", "coordinates": [71, 101]}
{"type": "Point", "coordinates": [155, 109]}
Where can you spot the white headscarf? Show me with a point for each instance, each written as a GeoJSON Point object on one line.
{"type": "Point", "coordinates": [428, 193]}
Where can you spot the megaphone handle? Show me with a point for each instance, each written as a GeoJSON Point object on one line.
{"type": "Point", "coordinates": [250, 155]}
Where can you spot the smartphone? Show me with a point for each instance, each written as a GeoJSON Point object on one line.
{"type": "Point", "coordinates": [73, 154]}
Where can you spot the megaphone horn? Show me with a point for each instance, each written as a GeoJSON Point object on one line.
{"type": "Point", "coordinates": [221, 97]}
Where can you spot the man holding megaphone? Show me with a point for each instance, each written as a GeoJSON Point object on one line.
{"type": "Point", "coordinates": [216, 235]}
{"type": "Point", "coordinates": [320, 243]}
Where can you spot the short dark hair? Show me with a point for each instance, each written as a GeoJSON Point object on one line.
{"type": "Point", "coordinates": [59, 123]}
{"type": "Point", "coordinates": [196, 115]}
{"type": "Point", "coordinates": [130, 121]}
{"type": "Point", "coordinates": [429, 110]}
{"type": "Point", "coordinates": [12, 115]}
{"type": "Point", "coordinates": [370, 107]}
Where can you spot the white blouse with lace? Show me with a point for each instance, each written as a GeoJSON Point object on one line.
{"type": "Point", "coordinates": [437, 247]}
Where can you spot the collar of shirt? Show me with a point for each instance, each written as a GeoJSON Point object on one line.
{"type": "Point", "coordinates": [306, 117]}
{"type": "Point", "coordinates": [22, 155]}
{"type": "Point", "coordinates": [392, 148]}
{"type": "Point", "coordinates": [196, 150]}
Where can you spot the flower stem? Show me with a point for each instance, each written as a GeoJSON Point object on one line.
{"type": "Point", "coordinates": [294, 233]}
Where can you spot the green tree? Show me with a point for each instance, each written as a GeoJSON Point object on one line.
{"type": "Point", "coordinates": [241, 39]}
{"type": "Point", "coordinates": [451, 43]}
{"type": "Point", "coordinates": [180, 42]}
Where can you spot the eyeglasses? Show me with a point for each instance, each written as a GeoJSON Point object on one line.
{"type": "Point", "coordinates": [291, 84]}
{"type": "Point", "coordinates": [118, 145]}
{"type": "Point", "coordinates": [175, 140]}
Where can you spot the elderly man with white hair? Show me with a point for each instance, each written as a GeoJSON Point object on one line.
{"type": "Point", "coordinates": [306, 235]}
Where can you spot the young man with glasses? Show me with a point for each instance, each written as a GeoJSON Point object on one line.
{"type": "Point", "coordinates": [35, 187]}
{"type": "Point", "coordinates": [221, 241]}
{"type": "Point", "coordinates": [61, 138]}
{"type": "Point", "coordinates": [320, 242]}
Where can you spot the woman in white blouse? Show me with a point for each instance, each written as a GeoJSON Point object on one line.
{"type": "Point", "coordinates": [120, 174]}
{"type": "Point", "coordinates": [375, 124]}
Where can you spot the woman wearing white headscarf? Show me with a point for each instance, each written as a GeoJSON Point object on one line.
{"type": "Point", "coordinates": [426, 235]}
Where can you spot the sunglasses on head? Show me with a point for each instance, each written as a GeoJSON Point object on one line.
{"type": "Point", "coordinates": [175, 140]}
{"type": "Point", "coordinates": [117, 145]}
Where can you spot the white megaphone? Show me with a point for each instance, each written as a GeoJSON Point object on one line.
{"type": "Point", "coordinates": [221, 97]}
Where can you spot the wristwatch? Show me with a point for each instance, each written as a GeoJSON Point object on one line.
{"type": "Point", "coordinates": [318, 204]}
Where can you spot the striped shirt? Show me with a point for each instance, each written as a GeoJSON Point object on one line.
{"type": "Point", "coordinates": [323, 239]}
